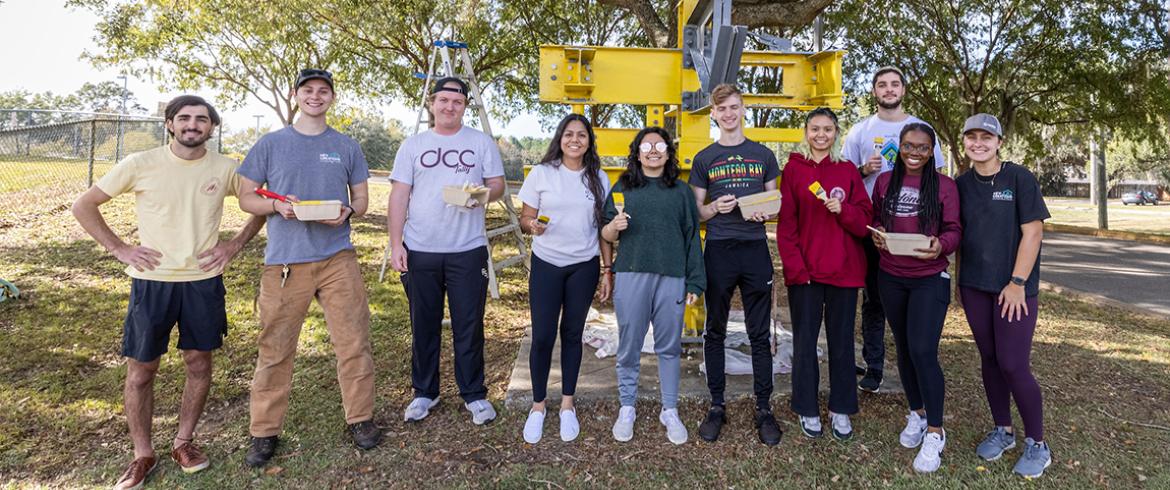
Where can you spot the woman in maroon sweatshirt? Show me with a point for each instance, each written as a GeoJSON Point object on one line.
{"type": "Point", "coordinates": [916, 289]}
{"type": "Point", "coordinates": [819, 237]}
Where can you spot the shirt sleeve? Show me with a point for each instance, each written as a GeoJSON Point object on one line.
{"type": "Point", "coordinates": [234, 181]}
{"type": "Point", "coordinates": [696, 270]}
{"type": "Point", "coordinates": [119, 179]}
{"type": "Point", "coordinates": [255, 166]}
{"type": "Point", "coordinates": [359, 169]}
{"type": "Point", "coordinates": [530, 189]}
{"type": "Point", "coordinates": [849, 150]}
{"type": "Point", "coordinates": [879, 198]}
{"type": "Point", "coordinates": [493, 163]}
{"type": "Point", "coordinates": [771, 165]}
{"type": "Point", "coordinates": [1029, 200]}
{"type": "Point", "coordinates": [951, 229]}
{"type": "Point", "coordinates": [698, 175]}
{"type": "Point", "coordinates": [403, 170]}
{"type": "Point", "coordinates": [610, 212]}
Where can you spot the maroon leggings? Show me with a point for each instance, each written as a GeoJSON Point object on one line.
{"type": "Point", "coordinates": [1005, 350]}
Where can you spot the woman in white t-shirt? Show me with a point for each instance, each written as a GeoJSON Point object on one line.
{"type": "Point", "coordinates": [563, 198]}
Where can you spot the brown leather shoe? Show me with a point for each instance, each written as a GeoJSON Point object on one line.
{"type": "Point", "coordinates": [190, 458]}
{"type": "Point", "coordinates": [136, 474]}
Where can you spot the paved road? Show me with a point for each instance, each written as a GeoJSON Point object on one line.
{"type": "Point", "coordinates": [1130, 272]}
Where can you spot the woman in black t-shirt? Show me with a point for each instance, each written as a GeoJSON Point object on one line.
{"type": "Point", "coordinates": [1003, 213]}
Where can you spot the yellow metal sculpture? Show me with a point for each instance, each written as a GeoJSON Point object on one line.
{"type": "Point", "coordinates": [674, 85]}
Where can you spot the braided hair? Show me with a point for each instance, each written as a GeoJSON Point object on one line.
{"type": "Point", "coordinates": [590, 161]}
{"type": "Point", "coordinates": [929, 205]}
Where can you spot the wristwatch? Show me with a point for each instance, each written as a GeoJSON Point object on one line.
{"type": "Point", "coordinates": [1019, 281]}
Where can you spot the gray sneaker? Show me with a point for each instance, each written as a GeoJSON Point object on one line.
{"type": "Point", "coordinates": [996, 442]}
{"type": "Point", "coordinates": [1035, 459]}
{"type": "Point", "coordinates": [481, 411]}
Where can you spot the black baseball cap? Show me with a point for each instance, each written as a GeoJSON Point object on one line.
{"type": "Point", "coordinates": [441, 86]}
{"type": "Point", "coordinates": [313, 73]}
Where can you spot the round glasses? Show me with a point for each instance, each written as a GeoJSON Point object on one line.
{"type": "Point", "coordinates": [646, 147]}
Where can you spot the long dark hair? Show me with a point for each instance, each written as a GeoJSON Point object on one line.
{"type": "Point", "coordinates": [929, 206]}
{"type": "Point", "coordinates": [634, 177]}
{"type": "Point", "coordinates": [590, 161]}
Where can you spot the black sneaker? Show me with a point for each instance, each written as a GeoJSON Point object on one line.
{"type": "Point", "coordinates": [860, 370]}
{"type": "Point", "coordinates": [871, 382]}
{"type": "Point", "coordinates": [366, 435]}
{"type": "Point", "coordinates": [767, 427]}
{"type": "Point", "coordinates": [261, 451]}
{"type": "Point", "coordinates": [710, 428]}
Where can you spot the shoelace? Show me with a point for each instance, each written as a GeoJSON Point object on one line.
{"type": "Point", "coordinates": [188, 451]}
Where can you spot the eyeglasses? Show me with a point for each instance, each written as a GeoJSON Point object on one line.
{"type": "Point", "coordinates": [646, 147]}
{"type": "Point", "coordinates": [912, 148]}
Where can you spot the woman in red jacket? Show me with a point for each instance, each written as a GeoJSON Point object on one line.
{"type": "Point", "coordinates": [823, 218]}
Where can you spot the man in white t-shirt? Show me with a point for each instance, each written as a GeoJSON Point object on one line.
{"type": "Point", "coordinates": [872, 145]}
{"type": "Point", "coordinates": [441, 248]}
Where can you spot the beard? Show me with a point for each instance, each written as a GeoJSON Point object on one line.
{"type": "Point", "coordinates": [890, 105]}
{"type": "Point", "coordinates": [193, 143]}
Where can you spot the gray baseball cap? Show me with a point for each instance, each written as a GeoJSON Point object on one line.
{"type": "Point", "coordinates": [984, 121]}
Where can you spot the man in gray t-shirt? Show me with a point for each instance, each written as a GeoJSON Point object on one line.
{"type": "Point", "coordinates": [309, 161]}
{"type": "Point", "coordinates": [440, 248]}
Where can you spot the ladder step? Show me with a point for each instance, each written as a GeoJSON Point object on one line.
{"type": "Point", "coordinates": [495, 232]}
{"type": "Point", "coordinates": [508, 262]}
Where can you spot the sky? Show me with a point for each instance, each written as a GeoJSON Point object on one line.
{"type": "Point", "coordinates": [45, 56]}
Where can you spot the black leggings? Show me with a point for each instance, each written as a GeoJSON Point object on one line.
{"type": "Point", "coordinates": [916, 308]}
{"type": "Point", "coordinates": [559, 297]}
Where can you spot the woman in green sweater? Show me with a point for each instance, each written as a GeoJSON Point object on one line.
{"type": "Point", "coordinates": [659, 266]}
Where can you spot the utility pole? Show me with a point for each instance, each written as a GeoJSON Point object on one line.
{"type": "Point", "coordinates": [1098, 184]}
{"type": "Point", "coordinates": [118, 146]}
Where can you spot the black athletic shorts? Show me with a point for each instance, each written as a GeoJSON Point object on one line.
{"type": "Point", "coordinates": [155, 306]}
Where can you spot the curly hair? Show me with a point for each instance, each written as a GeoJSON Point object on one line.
{"type": "Point", "coordinates": [634, 177]}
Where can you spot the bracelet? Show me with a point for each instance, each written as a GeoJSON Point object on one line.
{"type": "Point", "coordinates": [274, 205]}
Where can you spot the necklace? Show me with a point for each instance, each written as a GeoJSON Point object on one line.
{"type": "Point", "coordinates": [990, 181]}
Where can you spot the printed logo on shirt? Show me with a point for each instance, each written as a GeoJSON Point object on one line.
{"type": "Point", "coordinates": [837, 193]}
{"type": "Point", "coordinates": [1004, 195]}
{"type": "Point", "coordinates": [889, 153]}
{"type": "Point", "coordinates": [211, 187]}
{"type": "Point", "coordinates": [736, 172]}
{"type": "Point", "coordinates": [907, 205]}
{"type": "Point", "coordinates": [332, 157]}
{"type": "Point", "coordinates": [462, 161]}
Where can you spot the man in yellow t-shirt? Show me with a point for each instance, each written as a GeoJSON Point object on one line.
{"type": "Point", "coordinates": [177, 270]}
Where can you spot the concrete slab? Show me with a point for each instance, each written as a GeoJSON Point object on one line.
{"type": "Point", "coordinates": [598, 377]}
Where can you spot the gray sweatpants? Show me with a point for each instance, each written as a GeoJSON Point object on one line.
{"type": "Point", "coordinates": [640, 298]}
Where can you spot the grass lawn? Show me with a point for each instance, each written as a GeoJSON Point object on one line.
{"type": "Point", "coordinates": [61, 380]}
{"type": "Point", "coordinates": [1078, 212]}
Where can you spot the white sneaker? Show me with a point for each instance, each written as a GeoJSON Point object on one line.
{"type": "Point", "coordinates": [623, 429]}
{"type": "Point", "coordinates": [482, 411]}
{"type": "Point", "coordinates": [570, 428]}
{"type": "Point", "coordinates": [842, 428]}
{"type": "Point", "coordinates": [811, 426]}
{"type": "Point", "coordinates": [676, 432]}
{"type": "Point", "coordinates": [534, 427]}
{"type": "Point", "coordinates": [419, 408]}
{"type": "Point", "coordinates": [930, 454]}
{"type": "Point", "coordinates": [915, 430]}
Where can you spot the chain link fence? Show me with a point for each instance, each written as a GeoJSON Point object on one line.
{"type": "Point", "coordinates": [48, 158]}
